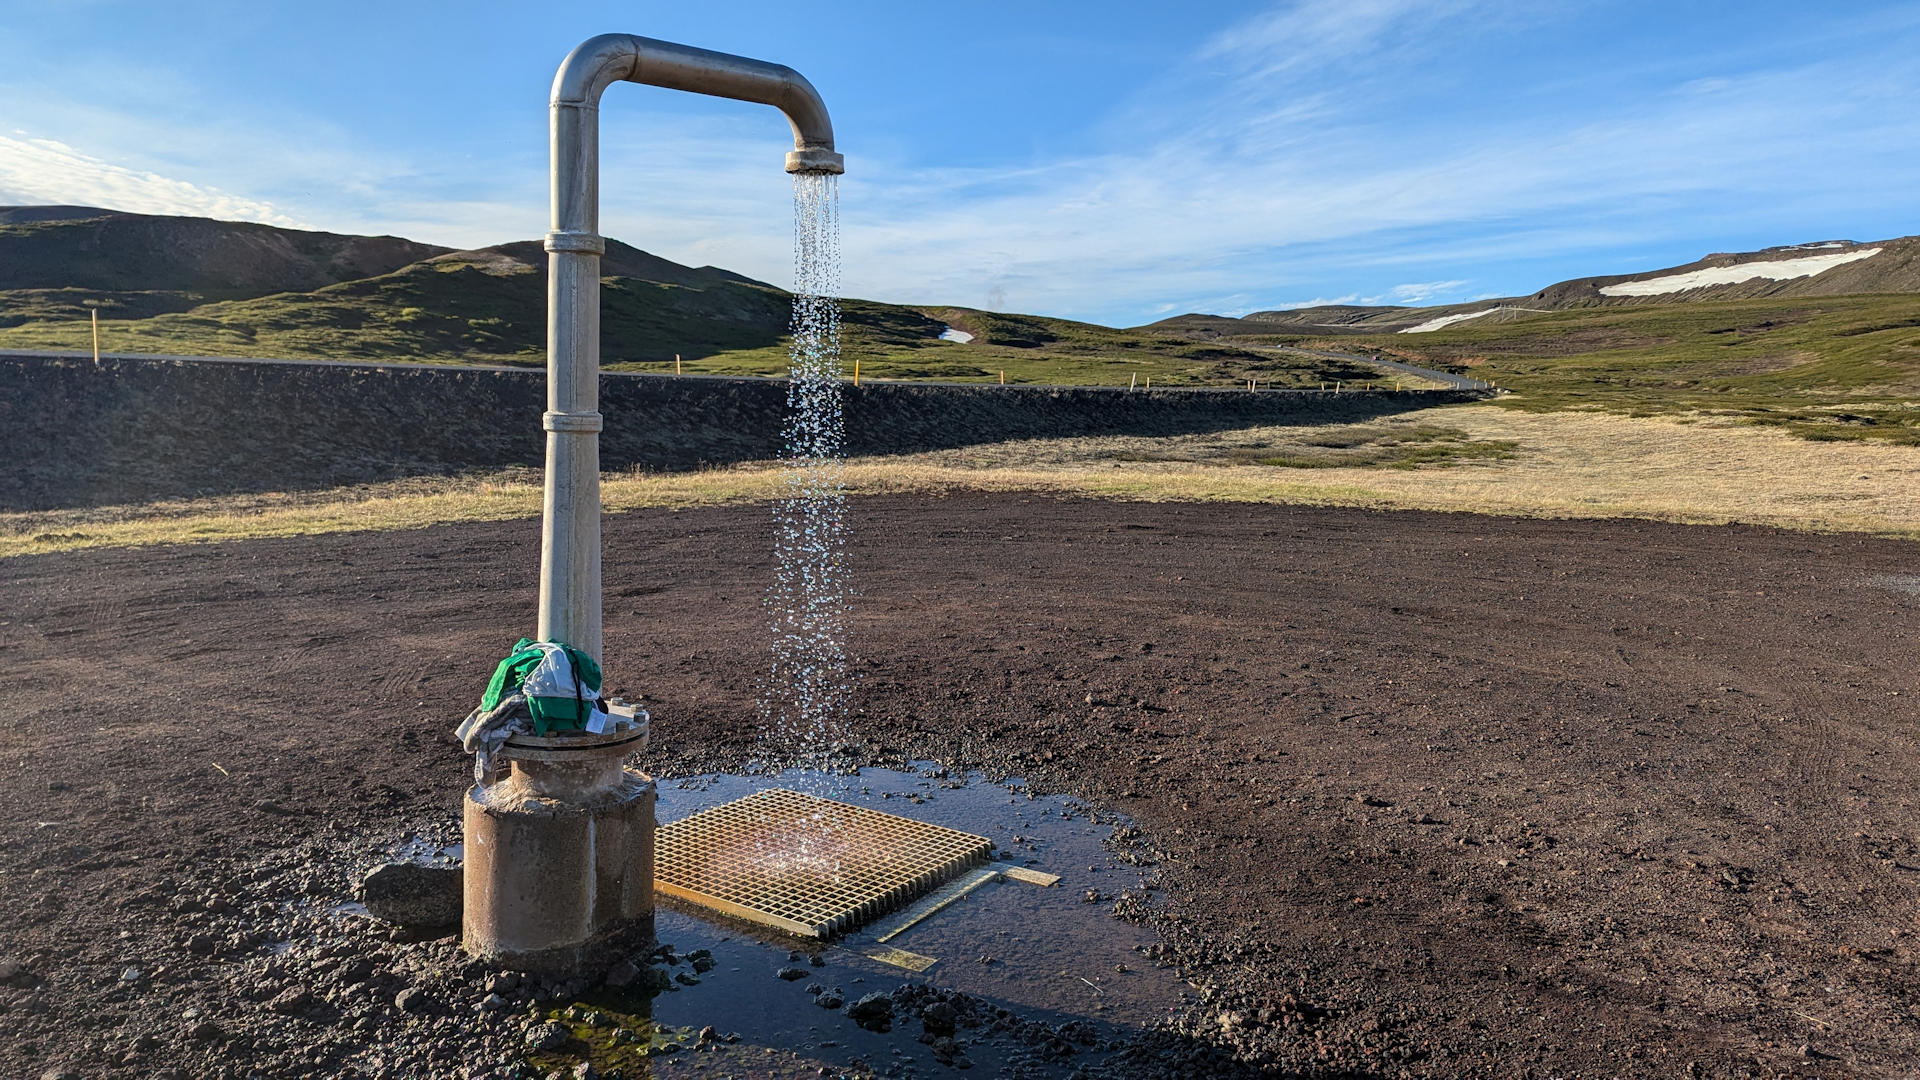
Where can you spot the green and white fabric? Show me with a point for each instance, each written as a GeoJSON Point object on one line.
{"type": "Point", "coordinates": [561, 685]}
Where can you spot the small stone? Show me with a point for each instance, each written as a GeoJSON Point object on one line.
{"type": "Point", "coordinates": [622, 973]}
{"type": "Point", "coordinates": [205, 1031]}
{"type": "Point", "coordinates": [817, 960]}
{"type": "Point", "coordinates": [830, 1000]}
{"type": "Point", "coordinates": [291, 1001]}
{"type": "Point", "coordinates": [708, 1034]}
{"type": "Point", "coordinates": [816, 988]}
{"type": "Point", "coordinates": [547, 1036]}
{"type": "Point", "coordinates": [411, 1000]}
{"type": "Point", "coordinates": [201, 944]}
{"type": "Point", "coordinates": [686, 978]}
{"type": "Point", "coordinates": [501, 982]}
{"type": "Point", "coordinates": [412, 894]}
{"type": "Point", "coordinates": [790, 973]}
{"type": "Point", "coordinates": [132, 975]}
{"type": "Point", "coordinates": [584, 1071]}
{"type": "Point", "coordinates": [962, 1061]}
{"type": "Point", "coordinates": [492, 1003]}
{"type": "Point", "coordinates": [702, 964]}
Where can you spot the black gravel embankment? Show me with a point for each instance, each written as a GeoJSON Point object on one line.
{"type": "Point", "coordinates": [134, 429]}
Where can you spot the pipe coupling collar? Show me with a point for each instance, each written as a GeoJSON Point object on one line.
{"type": "Point", "coordinates": [815, 159]}
{"type": "Point", "coordinates": [582, 242]}
{"type": "Point", "coordinates": [572, 422]}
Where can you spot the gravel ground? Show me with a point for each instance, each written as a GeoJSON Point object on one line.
{"type": "Point", "coordinates": [1430, 794]}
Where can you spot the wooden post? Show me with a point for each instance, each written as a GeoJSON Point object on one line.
{"type": "Point", "coordinates": [676, 363]}
{"type": "Point", "coordinates": [1149, 382]}
{"type": "Point", "coordinates": [856, 371]}
{"type": "Point", "coordinates": [1132, 379]}
{"type": "Point", "coordinates": [1003, 376]}
{"type": "Point", "coordinates": [95, 313]}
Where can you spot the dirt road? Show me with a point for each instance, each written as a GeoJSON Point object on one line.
{"type": "Point", "coordinates": [1434, 794]}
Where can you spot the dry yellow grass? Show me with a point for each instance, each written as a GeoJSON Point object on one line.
{"type": "Point", "coordinates": [1564, 465]}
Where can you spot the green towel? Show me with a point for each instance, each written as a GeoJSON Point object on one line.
{"type": "Point", "coordinates": [562, 698]}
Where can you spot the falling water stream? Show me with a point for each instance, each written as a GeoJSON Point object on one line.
{"type": "Point", "coordinates": [805, 693]}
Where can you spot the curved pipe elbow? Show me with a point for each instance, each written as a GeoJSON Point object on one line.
{"type": "Point", "coordinates": [599, 62]}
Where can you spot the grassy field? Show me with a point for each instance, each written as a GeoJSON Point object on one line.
{"type": "Point", "coordinates": [1829, 368]}
{"type": "Point", "coordinates": [1495, 460]}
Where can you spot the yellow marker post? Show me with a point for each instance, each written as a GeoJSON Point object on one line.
{"type": "Point", "coordinates": [95, 313]}
{"type": "Point", "coordinates": [676, 363]}
{"type": "Point", "coordinates": [856, 371]}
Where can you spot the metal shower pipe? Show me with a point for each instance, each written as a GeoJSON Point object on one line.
{"type": "Point", "coordinates": [570, 535]}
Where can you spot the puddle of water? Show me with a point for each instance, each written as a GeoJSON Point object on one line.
{"type": "Point", "coordinates": [1050, 957]}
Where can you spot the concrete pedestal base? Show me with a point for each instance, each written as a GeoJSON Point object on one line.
{"type": "Point", "coordinates": [559, 859]}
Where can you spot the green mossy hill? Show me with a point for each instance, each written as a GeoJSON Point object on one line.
{"type": "Point", "coordinates": [1836, 367]}
{"type": "Point", "coordinates": [135, 265]}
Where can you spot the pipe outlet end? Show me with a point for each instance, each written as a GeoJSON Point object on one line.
{"type": "Point", "coordinates": [813, 159]}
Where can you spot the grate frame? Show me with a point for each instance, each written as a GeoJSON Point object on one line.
{"type": "Point", "coordinates": [726, 859]}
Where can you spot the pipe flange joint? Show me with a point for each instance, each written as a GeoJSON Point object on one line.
{"type": "Point", "coordinates": [572, 422]}
{"type": "Point", "coordinates": [585, 243]}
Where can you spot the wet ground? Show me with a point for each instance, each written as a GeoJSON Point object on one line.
{"type": "Point", "coordinates": [1056, 982]}
{"type": "Point", "coordinates": [1427, 795]}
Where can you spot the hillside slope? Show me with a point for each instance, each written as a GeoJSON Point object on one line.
{"type": "Point", "coordinates": [194, 287]}
{"type": "Point", "coordinates": [1827, 268]}
{"type": "Point", "coordinates": [54, 260]}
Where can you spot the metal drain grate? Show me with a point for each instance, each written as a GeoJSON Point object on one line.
{"type": "Point", "coordinates": [807, 865]}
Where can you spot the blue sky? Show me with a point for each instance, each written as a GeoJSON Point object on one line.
{"type": "Point", "coordinates": [1110, 161]}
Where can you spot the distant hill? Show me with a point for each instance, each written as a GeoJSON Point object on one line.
{"type": "Point", "coordinates": [1827, 268]}
{"type": "Point", "coordinates": [192, 286]}
{"type": "Point", "coordinates": [109, 250]}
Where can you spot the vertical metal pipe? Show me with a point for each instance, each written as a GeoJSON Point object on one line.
{"type": "Point", "coordinates": [570, 536]}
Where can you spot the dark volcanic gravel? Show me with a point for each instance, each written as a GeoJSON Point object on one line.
{"type": "Point", "coordinates": [1430, 794]}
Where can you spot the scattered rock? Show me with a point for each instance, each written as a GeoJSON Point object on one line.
{"type": "Point", "coordinates": [492, 1003]}
{"type": "Point", "coordinates": [547, 1036]}
{"type": "Point", "coordinates": [874, 1012]}
{"type": "Point", "coordinates": [292, 1001]}
{"type": "Point", "coordinates": [205, 1031]}
{"type": "Point", "coordinates": [622, 974]}
{"type": "Point", "coordinates": [708, 1034]}
{"type": "Point", "coordinates": [411, 894]}
{"type": "Point", "coordinates": [411, 1000]}
{"type": "Point", "coordinates": [830, 1000]}
{"type": "Point", "coordinates": [939, 1018]}
{"type": "Point", "coordinates": [790, 973]}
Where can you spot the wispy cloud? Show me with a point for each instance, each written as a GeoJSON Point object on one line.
{"type": "Point", "coordinates": [45, 171]}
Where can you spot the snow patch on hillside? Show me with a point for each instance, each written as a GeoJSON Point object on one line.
{"type": "Point", "coordinates": [1447, 320]}
{"type": "Point", "coordinates": [1771, 269]}
{"type": "Point", "coordinates": [950, 334]}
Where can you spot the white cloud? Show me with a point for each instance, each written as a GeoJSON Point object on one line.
{"type": "Point", "coordinates": [1423, 292]}
{"type": "Point", "coordinates": [46, 171]}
